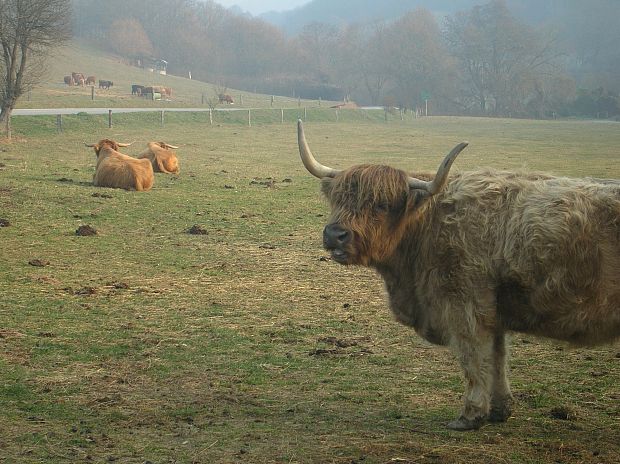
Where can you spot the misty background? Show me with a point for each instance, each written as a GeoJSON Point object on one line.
{"type": "Point", "coordinates": [519, 58]}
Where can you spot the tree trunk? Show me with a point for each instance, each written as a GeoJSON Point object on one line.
{"type": "Point", "coordinates": [5, 121]}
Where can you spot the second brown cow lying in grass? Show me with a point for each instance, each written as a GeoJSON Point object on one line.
{"type": "Point", "coordinates": [162, 157]}
{"type": "Point", "coordinates": [117, 170]}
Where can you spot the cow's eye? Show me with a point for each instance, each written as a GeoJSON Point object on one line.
{"type": "Point", "coordinates": [382, 207]}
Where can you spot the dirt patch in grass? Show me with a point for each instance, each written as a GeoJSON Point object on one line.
{"type": "Point", "coordinates": [86, 231]}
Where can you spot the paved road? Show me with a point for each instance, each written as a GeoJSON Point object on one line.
{"type": "Point", "coordinates": [52, 111]}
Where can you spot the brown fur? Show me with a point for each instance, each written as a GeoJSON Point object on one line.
{"type": "Point", "coordinates": [162, 158]}
{"type": "Point", "coordinates": [117, 170]}
{"type": "Point", "coordinates": [90, 80]}
{"type": "Point", "coordinates": [494, 252]}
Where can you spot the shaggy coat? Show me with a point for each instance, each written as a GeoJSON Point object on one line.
{"type": "Point", "coordinates": [161, 157]}
{"type": "Point", "coordinates": [491, 252]}
{"type": "Point", "coordinates": [117, 170]}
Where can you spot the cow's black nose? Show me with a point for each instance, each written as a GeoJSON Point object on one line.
{"type": "Point", "coordinates": [335, 236]}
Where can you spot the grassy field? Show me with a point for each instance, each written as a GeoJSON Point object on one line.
{"type": "Point", "coordinates": [145, 343]}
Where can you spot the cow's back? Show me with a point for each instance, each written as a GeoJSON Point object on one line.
{"type": "Point", "coordinates": [551, 247]}
{"type": "Point", "coordinates": [122, 171]}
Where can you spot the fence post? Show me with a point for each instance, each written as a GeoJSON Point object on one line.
{"type": "Point", "coordinates": [202, 98]}
{"type": "Point", "coordinates": [401, 114]}
{"type": "Point", "coordinates": [92, 92]}
{"type": "Point", "coordinates": [59, 123]}
{"type": "Point", "coordinates": [305, 113]}
{"type": "Point", "coordinates": [241, 100]}
{"type": "Point", "coordinates": [319, 101]}
{"type": "Point", "coordinates": [282, 116]}
{"type": "Point", "coordinates": [249, 117]}
{"type": "Point", "coordinates": [161, 117]}
{"type": "Point", "coordinates": [109, 119]}
{"type": "Point", "coordinates": [272, 101]}
{"type": "Point", "coordinates": [337, 116]}
{"type": "Point", "coordinates": [210, 116]}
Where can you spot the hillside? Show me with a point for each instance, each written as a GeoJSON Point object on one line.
{"type": "Point", "coordinates": [87, 59]}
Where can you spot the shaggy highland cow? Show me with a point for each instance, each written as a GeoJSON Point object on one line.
{"type": "Point", "coordinates": [117, 170]}
{"type": "Point", "coordinates": [469, 257]}
{"type": "Point", "coordinates": [162, 157]}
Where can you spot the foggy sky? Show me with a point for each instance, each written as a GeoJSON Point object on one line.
{"type": "Point", "coordinates": [257, 7]}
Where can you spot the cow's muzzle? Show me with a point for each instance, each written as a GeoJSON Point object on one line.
{"type": "Point", "coordinates": [335, 240]}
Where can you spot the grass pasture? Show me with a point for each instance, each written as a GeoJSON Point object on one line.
{"type": "Point", "coordinates": [145, 343]}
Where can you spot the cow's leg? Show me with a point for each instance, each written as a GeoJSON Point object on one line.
{"type": "Point", "coordinates": [501, 397]}
{"type": "Point", "coordinates": [475, 352]}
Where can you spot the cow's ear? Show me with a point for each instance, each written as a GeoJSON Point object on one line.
{"type": "Point", "coordinates": [326, 185]}
{"type": "Point", "coordinates": [417, 198]}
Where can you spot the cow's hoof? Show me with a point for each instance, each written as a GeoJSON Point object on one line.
{"type": "Point", "coordinates": [500, 412]}
{"type": "Point", "coordinates": [461, 424]}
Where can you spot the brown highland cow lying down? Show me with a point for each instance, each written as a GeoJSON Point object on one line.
{"type": "Point", "coordinates": [162, 158]}
{"type": "Point", "coordinates": [117, 170]}
{"type": "Point", "coordinates": [470, 257]}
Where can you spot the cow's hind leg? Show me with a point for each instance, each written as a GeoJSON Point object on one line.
{"type": "Point", "coordinates": [475, 354]}
{"type": "Point", "coordinates": [501, 397]}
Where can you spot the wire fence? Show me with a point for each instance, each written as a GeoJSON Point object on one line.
{"type": "Point", "coordinates": [117, 117]}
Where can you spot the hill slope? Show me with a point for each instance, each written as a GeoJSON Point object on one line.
{"type": "Point", "coordinates": [53, 93]}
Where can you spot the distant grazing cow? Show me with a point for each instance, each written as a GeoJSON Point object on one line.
{"type": "Point", "coordinates": [105, 84]}
{"type": "Point", "coordinates": [162, 157]}
{"type": "Point", "coordinates": [117, 170]}
{"type": "Point", "coordinates": [225, 98]}
{"type": "Point", "coordinates": [90, 80]}
{"type": "Point", "coordinates": [77, 76]}
{"type": "Point", "coordinates": [166, 91]}
{"type": "Point", "coordinates": [467, 258]}
{"type": "Point", "coordinates": [137, 89]}
{"type": "Point", "coordinates": [69, 80]}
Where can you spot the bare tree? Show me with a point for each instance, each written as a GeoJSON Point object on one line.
{"type": "Point", "coordinates": [29, 29]}
{"type": "Point", "coordinates": [418, 62]}
{"type": "Point", "coordinates": [499, 55]}
{"type": "Point", "coordinates": [128, 38]}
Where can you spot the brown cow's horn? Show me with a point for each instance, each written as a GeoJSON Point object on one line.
{"type": "Point", "coordinates": [170, 146]}
{"type": "Point", "coordinates": [91, 145]}
{"type": "Point", "coordinates": [312, 165]}
{"type": "Point", "coordinates": [438, 183]}
{"type": "Point", "coordinates": [123, 144]}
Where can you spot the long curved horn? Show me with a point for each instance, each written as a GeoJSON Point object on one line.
{"type": "Point", "coordinates": [312, 165]}
{"type": "Point", "coordinates": [123, 144]}
{"type": "Point", "coordinates": [90, 145]}
{"type": "Point", "coordinates": [169, 146]}
{"type": "Point", "coordinates": [438, 183]}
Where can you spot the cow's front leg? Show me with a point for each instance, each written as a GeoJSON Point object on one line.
{"type": "Point", "coordinates": [474, 351]}
{"type": "Point", "coordinates": [501, 397]}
